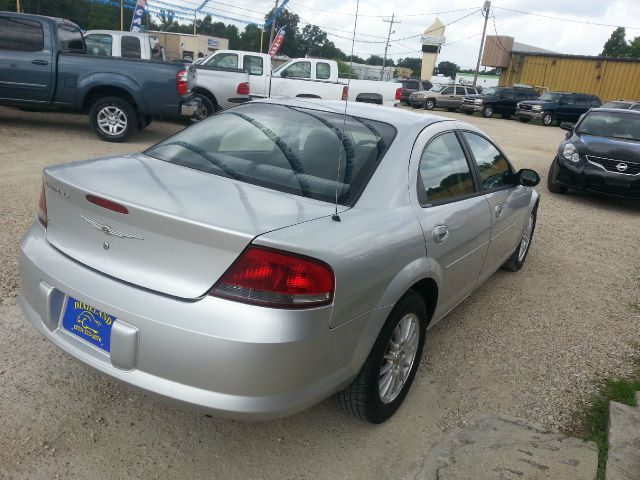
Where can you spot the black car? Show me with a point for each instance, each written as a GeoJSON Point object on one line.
{"type": "Point", "coordinates": [600, 154]}
{"type": "Point", "coordinates": [623, 104]}
{"type": "Point", "coordinates": [410, 86]}
{"type": "Point", "coordinates": [500, 100]}
{"type": "Point", "coordinates": [556, 106]}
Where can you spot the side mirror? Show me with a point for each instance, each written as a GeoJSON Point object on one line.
{"type": "Point", "coordinates": [528, 178]}
{"type": "Point", "coordinates": [567, 126]}
{"type": "Point", "coordinates": [284, 74]}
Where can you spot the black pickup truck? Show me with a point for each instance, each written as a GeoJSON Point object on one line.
{"type": "Point", "coordinates": [500, 100]}
{"type": "Point", "coordinates": [44, 66]}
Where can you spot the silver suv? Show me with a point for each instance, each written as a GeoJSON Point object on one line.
{"type": "Point", "coordinates": [441, 96]}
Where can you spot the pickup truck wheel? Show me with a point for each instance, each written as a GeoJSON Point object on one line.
{"type": "Point", "coordinates": [113, 119]}
{"type": "Point", "coordinates": [206, 109]}
{"type": "Point", "coordinates": [487, 111]}
{"type": "Point", "coordinates": [516, 260]}
{"type": "Point", "coordinates": [387, 374]}
{"type": "Point", "coordinates": [547, 119]}
{"type": "Point", "coordinates": [430, 104]}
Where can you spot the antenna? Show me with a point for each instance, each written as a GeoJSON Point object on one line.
{"type": "Point", "coordinates": [335, 217]}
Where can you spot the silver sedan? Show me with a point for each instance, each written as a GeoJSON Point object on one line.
{"type": "Point", "coordinates": [275, 254]}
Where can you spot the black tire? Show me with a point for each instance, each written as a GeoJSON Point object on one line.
{"type": "Point", "coordinates": [524, 119]}
{"type": "Point", "coordinates": [547, 119]}
{"type": "Point", "coordinates": [430, 104]}
{"type": "Point", "coordinates": [487, 111]}
{"type": "Point", "coordinates": [467, 112]}
{"type": "Point", "coordinates": [552, 185]}
{"type": "Point", "coordinates": [116, 109]}
{"type": "Point", "coordinates": [516, 261]}
{"type": "Point", "coordinates": [209, 109]}
{"type": "Point", "coordinates": [506, 116]}
{"type": "Point", "coordinates": [362, 397]}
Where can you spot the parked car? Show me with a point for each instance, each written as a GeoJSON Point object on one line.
{"type": "Point", "coordinates": [601, 154]}
{"type": "Point", "coordinates": [258, 262]}
{"type": "Point", "coordinates": [441, 96]}
{"type": "Point", "coordinates": [500, 100]}
{"type": "Point", "coordinates": [303, 77]}
{"type": "Point", "coordinates": [44, 65]}
{"type": "Point", "coordinates": [114, 43]}
{"type": "Point", "coordinates": [411, 85]}
{"type": "Point", "coordinates": [556, 106]}
{"type": "Point", "coordinates": [623, 104]}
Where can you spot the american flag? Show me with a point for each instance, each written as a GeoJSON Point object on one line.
{"type": "Point", "coordinates": [277, 42]}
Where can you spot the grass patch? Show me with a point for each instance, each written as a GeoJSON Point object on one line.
{"type": "Point", "coordinates": [635, 307]}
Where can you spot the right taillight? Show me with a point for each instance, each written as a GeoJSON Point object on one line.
{"type": "Point", "coordinates": [274, 278]}
{"type": "Point", "coordinates": [345, 92]}
{"type": "Point", "coordinates": [243, 88]}
{"type": "Point", "coordinates": [182, 82]}
{"type": "Point", "coordinates": [398, 93]}
{"type": "Point", "coordinates": [42, 207]}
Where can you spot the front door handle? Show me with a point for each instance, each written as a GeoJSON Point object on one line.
{"type": "Point", "coordinates": [499, 209]}
{"type": "Point", "coordinates": [440, 233]}
{"type": "Point", "coordinates": [39, 62]}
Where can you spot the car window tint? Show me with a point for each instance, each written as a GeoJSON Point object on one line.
{"type": "Point", "coordinates": [323, 71]}
{"type": "Point", "coordinates": [470, 91]}
{"type": "Point", "coordinates": [130, 47]}
{"type": "Point", "coordinates": [636, 107]}
{"type": "Point", "coordinates": [567, 100]}
{"type": "Point", "coordinates": [253, 64]}
{"type": "Point", "coordinates": [21, 35]}
{"type": "Point", "coordinates": [495, 170]}
{"type": "Point", "coordinates": [581, 101]}
{"type": "Point", "coordinates": [223, 60]}
{"type": "Point", "coordinates": [299, 70]}
{"type": "Point", "coordinates": [444, 170]}
{"type": "Point", "coordinates": [447, 91]}
{"type": "Point", "coordinates": [99, 44]}
{"type": "Point", "coordinates": [508, 94]}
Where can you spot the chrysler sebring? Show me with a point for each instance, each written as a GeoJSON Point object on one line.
{"type": "Point", "coordinates": [275, 254]}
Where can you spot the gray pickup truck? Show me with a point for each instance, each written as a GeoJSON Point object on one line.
{"type": "Point", "coordinates": [44, 66]}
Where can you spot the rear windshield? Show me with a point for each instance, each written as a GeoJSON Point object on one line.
{"type": "Point", "coordinates": [622, 125]}
{"type": "Point", "coordinates": [289, 149]}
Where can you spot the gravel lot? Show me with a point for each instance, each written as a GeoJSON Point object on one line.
{"type": "Point", "coordinates": [529, 344]}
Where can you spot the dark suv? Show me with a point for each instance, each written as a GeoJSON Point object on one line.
{"type": "Point", "coordinates": [500, 100]}
{"type": "Point", "coordinates": [600, 154]}
{"type": "Point", "coordinates": [410, 86]}
{"type": "Point", "coordinates": [556, 106]}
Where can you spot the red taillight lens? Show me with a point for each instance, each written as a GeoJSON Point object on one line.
{"type": "Point", "coordinates": [274, 278]}
{"type": "Point", "coordinates": [108, 204]}
{"type": "Point", "coordinates": [182, 81]}
{"type": "Point", "coordinates": [42, 207]}
{"type": "Point", "coordinates": [399, 93]}
{"type": "Point", "coordinates": [243, 88]}
{"type": "Point", "coordinates": [345, 92]}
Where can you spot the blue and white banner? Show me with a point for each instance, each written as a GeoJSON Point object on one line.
{"type": "Point", "coordinates": [138, 16]}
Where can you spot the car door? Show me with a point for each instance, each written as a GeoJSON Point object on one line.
{"type": "Point", "coordinates": [443, 98]}
{"type": "Point", "coordinates": [508, 201]}
{"type": "Point", "coordinates": [453, 213]}
{"type": "Point", "coordinates": [566, 108]}
{"type": "Point", "coordinates": [255, 66]}
{"type": "Point", "coordinates": [26, 60]}
{"type": "Point", "coordinates": [581, 107]}
{"type": "Point", "coordinates": [459, 94]}
{"type": "Point", "coordinates": [506, 102]}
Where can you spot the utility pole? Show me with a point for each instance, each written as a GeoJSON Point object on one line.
{"type": "Point", "coordinates": [18, 6]}
{"type": "Point", "coordinates": [273, 25]}
{"type": "Point", "coordinates": [485, 11]}
{"type": "Point", "coordinates": [121, 15]}
{"type": "Point", "coordinates": [386, 46]}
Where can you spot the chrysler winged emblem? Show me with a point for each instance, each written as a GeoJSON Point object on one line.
{"type": "Point", "coordinates": [108, 230]}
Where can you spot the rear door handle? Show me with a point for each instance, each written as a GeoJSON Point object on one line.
{"type": "Point", "coordinates": [39, 62]}
{"type": "Point", "coordinates": [499, 209]}
{"type": "Point", "coordinates": [440, 233]}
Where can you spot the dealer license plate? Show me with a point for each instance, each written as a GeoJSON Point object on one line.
{"type": "Point", "coordinates": [88, 323]}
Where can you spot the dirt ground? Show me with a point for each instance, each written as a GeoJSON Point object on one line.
{"type": "Point", "coordinates": [529, 344]}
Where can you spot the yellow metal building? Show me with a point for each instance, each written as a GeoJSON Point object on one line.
{"type": "Point", "coordinates": [608, 78]}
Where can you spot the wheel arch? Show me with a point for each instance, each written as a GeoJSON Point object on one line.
{"type": "Point", "coordinates": [100, 91]}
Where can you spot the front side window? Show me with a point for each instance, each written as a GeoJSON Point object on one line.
{"type": "Point", "coordinates": [99, 44]}
{"type": "Point", "coordinates": [447, 91]}
{"type": "Point", "coordinates": [223, 60]}
{"type": "Point", "coordinates": [471, 91]}
{"type": "Point", "coordinates": [130, 47]}
{"type": "Point", "coordinates": [70, 38]}
{"type": "Point", "coordinates": [444, 170]}
{"type": "Point", "coordinates": [495, 170]}
{"type": "Point", "coordinates": [299, 70]}
{"type": "Point", "coordinates": [323, 71]}
{"type": "Point", "coordinates": [288, 149]}
{"type": "Point", "coordinates": [550, 97]}
{"type": "Point", "coordinates": [21, 35]}
{"type": "Point", "coordinates": [252, 64]}
{"type": "Point", "coordinates": [567, 100]}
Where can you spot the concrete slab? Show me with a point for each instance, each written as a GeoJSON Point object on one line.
{"type": "Point", "coordinates": [623, 462]}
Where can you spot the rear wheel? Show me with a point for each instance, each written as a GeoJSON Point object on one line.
{"type": "Point", "coordinates": [487, 111]}
{"type": "Point", "coordinates": [113, 119]}
{"type": "Point", "coordinates": [386, 376]}
{"type": "Point", "coordinates": [430, 104]}
{"type": "Point", "coordinates": [516, 260]}
{"type": "Point", "coordinates": [547, 119]}
{"type": "Point", "coordinates": [552, 185]}
{"type": "Point", "coordinates": [206, 109]}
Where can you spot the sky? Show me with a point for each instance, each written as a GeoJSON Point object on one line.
{"type": "Point", "coordinates": [337, 18]}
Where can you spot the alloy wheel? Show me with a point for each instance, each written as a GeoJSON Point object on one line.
{"type": "Point", "coordinates": [526, 239]}
{"type": "Point", "coordinates": [112, 120]}
{"type": "Point", "coordinates": [399, 358]}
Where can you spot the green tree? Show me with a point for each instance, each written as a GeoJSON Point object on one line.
{"type": "Point", "coordinates": [312, 39]}
{"type": "Point", "coordinates": [617, 45]}
{"type": "Point", "coordinates": [415, 64]}
{"type": "Point", "coordinates": [291, 44]}
{"type": "Point", "coordinates": [344, 70]}
{"type": "Point", "coordinates": [374, 60]}
{"type": "Point", "coordinates": [448, 69]}
{"type": "Point", "coordinates": [634, 48]}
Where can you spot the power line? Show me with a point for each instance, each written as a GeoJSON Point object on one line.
{"type": "Point", "coordinates": [334, 29]}
{"type": "Point", "coordinates": [382, 16]}
{"type": "Point", "coordinates": [585, 22]}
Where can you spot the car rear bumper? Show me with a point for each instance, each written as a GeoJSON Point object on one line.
{"type": "Point", "coordinates": [528, 114]}
{"type": "Point", "coordinates": [418, 102]}
{"type": "Point", "coordinates": [228, 358]}
{"type": "Point", "coordinates": [586, 176]}
{"type": "Point", "coordinates": [190, 108]}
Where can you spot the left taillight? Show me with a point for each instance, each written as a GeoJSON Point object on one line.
{"type": "Point", "coordinates": [275, 278]}
{"type": "Point", "coordinates": [42, 207]}
{"type": "Point", "coordinates": [243, 88]}
{"type": "Point", "coordinates": [182, 82]}
{"type": "Point", "coordinates": [345, 92]}
{"type": "Point", "coordinates": [399, 93]}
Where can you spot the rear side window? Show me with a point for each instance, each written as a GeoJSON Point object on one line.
{"type": "Point", "coordinates": [130, 47]}
{"type": "Point", "coordinates": [21, 35]}
{"type": "Point", "coordinates": [252, 64]}
{"type": "Point", "coordinates": [323, 71]}
{"type": "Point", "coordinates": [70, 38]}
{"type": "Point", "coordinates": [567, 100]}
{"type": "Point", "coordinates": [581, 102]}
{"type": "Point", "coordinates": [223, 60]}
{"type": "Point", "coordinates": [99, 44]}
{"type": "Point", "coordinates": [495, 170]}
{"type": "Point", "coordinates": [288, 149]}
{"type": "Point", "coordinates": [444, 170]}
{"type": "Point", "coordinates": [471, 91]}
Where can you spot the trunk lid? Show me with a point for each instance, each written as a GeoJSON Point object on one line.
{"type": "Point", "coordinates": [184, 227]}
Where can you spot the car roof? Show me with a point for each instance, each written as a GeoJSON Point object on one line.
{"type": "Point", "coordinates": [58, 20]}
{"type": "Point", "coordinates": [616, 110]}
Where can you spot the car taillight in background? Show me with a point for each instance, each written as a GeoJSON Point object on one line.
{"type": "Point", "coordinates": [273, 278]}
{"type": "Point", "coordinates": [345, 92]}
{"type": "Point", "coordinates": [182, 78]}
{"type": "Point", "coordinates": [243, 88]}
{"type": "Point", "coordinates": [399, 93]}
{"type": "Point", "coordinates": [42, 207]}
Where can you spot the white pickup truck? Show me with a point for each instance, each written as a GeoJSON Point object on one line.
{"type": "Point", "coordinates": [114, 43]}
{"type": "Point", "coordinates": [302, 77]}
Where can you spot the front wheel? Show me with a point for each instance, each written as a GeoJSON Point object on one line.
{"type": "Point", "coordinates": [552, 184]}
{"type": "Point", "coordinates": [516, 260]}
{"type": "Point", "coordinates": [430, 104]}
{"type": "Point", "coordinates": [487, 111]}
{"type": "Point", "coordinates": [113, 119]}
{"type": "Point", "coordinates": [386, 376]}
{"type": "Point", "coordinates": [547, 119]}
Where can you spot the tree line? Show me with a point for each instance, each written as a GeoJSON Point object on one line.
{"type": "Point", "coordinates": [618, 46]}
